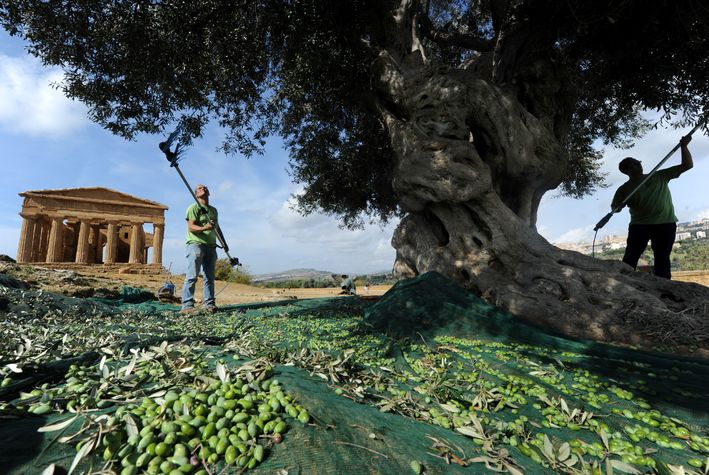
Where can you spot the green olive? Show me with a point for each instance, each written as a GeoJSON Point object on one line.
{"type": "Point", "coordinates": [180, 450]}
{"type": "Point", "coordinates": [304, 417]}
{"type": "Point", "coordinates": [147, 439]}
{"type": "Point", "coordinates": [258, 452]}
{"type": "Point", "coordinates": [129, 470]}
{"type": "Point", "coordinates": [167, 427]}
{"type": "Point", "coordinates": [107, 454]}
{"type": "Point", "coordinates": [230, 455]}
{"type": "Point", "coordinates": [143, 459]}
{"type": "Point", "coordinates": [161, 449]}
{"type": "Point", "coordinates": [41, 409]}
{"type": "Point", "coordinates": [221, 446]}
{"type": "Point", "coordinates": [240, 417]}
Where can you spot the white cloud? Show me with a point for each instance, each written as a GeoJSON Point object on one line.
{"type": "Point", "coordinates": [173, 244]}
{"type": "Point", "coordinates": [30, 105]}
{"type": "Point", "coordinates": [575, 235]}
{"type": "Point", "coordinates": [543, 230]}
{"type": "Point", "coordinates": [321, 228]}
{"type": "Point", "coordinates": [225, 186]}
{"type": "Point", "coordinates": [324, 244]}
{"type": "Point", "coordinates": [290, 222]}
{"type": "Point", "coordinates": [702, 215]}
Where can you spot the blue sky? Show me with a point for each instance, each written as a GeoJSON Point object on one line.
{"type": "Point", "coordinates": [48, 142]}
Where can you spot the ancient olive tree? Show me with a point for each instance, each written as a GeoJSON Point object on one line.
{"type": "Point", "coordinates": [456, 116]}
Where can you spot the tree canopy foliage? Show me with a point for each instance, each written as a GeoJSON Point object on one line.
{"type": "Point", "coordinates": [304, 69]}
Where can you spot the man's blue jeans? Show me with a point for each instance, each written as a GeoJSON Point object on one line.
{"type": "Point", "coordinates": [204, 257]}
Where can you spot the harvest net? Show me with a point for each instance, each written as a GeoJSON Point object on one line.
{"type": "Point", "coordinates": [429, 379]}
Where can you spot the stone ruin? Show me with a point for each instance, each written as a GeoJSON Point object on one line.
{"type": "Point", "coordinates": [77, 227]}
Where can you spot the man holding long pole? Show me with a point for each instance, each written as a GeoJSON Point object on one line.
{"type": "Point", "coordinates": [652, 214]}
{"type": "Point", "coordinates": [202, 233]}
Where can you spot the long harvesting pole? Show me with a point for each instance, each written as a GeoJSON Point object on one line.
{"type": "Point", "coordinates": [172, 157]}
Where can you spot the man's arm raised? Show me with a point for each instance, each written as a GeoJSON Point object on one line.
{"type": "Point", "coordinates": [687, 162]}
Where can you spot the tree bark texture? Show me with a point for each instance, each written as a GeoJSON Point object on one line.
{"type": "Point", "coordinates": [472, 164]}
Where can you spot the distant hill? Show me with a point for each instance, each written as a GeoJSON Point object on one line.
{"type": "Point", "coordinates": [301, 274]}
{"type": "Point", "coordinates": [292, 274]}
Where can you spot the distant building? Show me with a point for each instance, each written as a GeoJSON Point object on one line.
{"type": "Point", "coordinates": [683, 236]}
{"type": "Point", "coordinates": [685, 231]}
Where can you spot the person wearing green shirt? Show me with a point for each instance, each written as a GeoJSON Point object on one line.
{"type": "Point", "coordinates": [652, 214]}
{"type": "Point", "coordinates": [201, 250]}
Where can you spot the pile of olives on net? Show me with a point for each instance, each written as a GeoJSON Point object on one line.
{"type": "Point", "coordinates": [234, 422]}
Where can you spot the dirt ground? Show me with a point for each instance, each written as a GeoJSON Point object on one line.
{"type": "Point", "coordinates": [97, 282]}
{"type": "Point", "coordinates": [231, 293]}
{"type": "Point", "coordinates": [89, 282]}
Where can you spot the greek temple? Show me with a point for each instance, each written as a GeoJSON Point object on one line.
{"type": "Point", "coordinates": [90, 226]}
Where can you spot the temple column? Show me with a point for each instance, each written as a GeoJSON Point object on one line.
{"type": "Point", "coordinates": [35, 255]}
{"type": "Point", "coordinates": [99, 249]}
{"type": "Point", "coordinates": [44, 243]}
{"type": "Point", "coordinates": [82, 246]}
{"type": "Point", "coordinates": [44, 250]}
{"type": "Point", "coordinates": [55, 251]}
{"type": "Point", "coordinates": [75, 226]}
{"type": "Point", "coordinates": [95, 247]}
{"type": "Point", "coordinates": [111, 242]}
{"type": "Point", "coordinates": [24, 249]}
{"type": "Point", "coordinates": [136, 246]}
{"type": "Point", "coordinates": [158, 232]}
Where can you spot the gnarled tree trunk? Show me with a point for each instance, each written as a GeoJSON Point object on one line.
{"type": "Point", "coordinates": [472, 165]}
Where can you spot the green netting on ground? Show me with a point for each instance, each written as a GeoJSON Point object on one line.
{"type": "Point", "coordinates": [429, 376]}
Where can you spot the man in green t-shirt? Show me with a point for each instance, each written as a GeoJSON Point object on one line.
{"type": "Point", "coordinates": [652, 214]}
{"type": "Point", "coordinates": [202, 229]}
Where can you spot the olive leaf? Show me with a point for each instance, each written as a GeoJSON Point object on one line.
{"type": "Point", "coordinates": [128, 369]}
{"type": "Point", "coordinates": [83, 452]}
{"type": "Point", "coordinates": [450, 408]}
{"type": "Point", "coordinates": [14, 368]}
{"type": "Point", "coordinates": [548, 448]}
{"type": "Point", "coordinates": [668, 469]}
{"type": "Point", "coordinates": [470, 432]}
{"type": "Point", "coordinates": [59, 425]}
{"type": "Point", "coordinates": [512, 469]}
{"type": "Point", "coordinates": [604, 438]}
{"type": "Point", "coordinates": [221, 372]}
{"type": "Point", "coordinates": [131, 425]}
{"type": "Point", "coordinates": [624, 467]}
